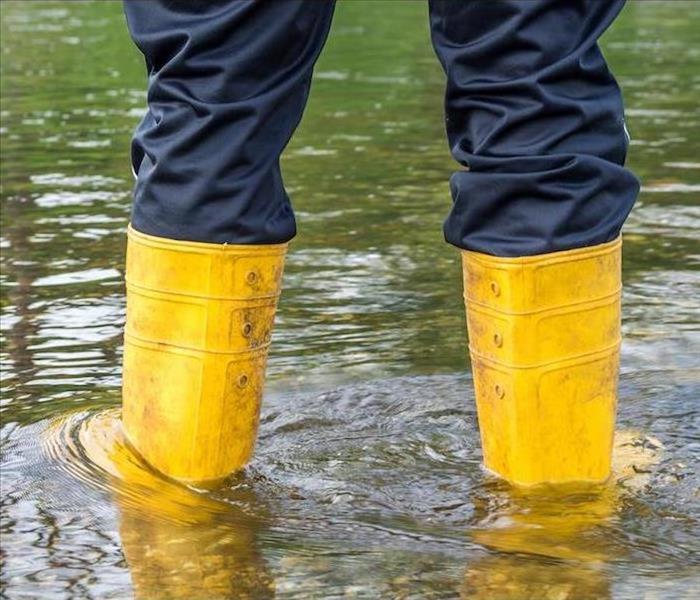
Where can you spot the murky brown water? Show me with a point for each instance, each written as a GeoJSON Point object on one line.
{"type": "Point", "coordinates": [366, 482]}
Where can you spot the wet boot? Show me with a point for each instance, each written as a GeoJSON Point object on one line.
{"type": "Point", "coordinates": [544, 335]}
{"type": "Point", "coordinates": [198, 326]}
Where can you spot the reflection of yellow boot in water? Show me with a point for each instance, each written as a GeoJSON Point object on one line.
{"type": "Point", "coordinates": [510, 577]}
{"type": "Point", "coordinates": [544, 336]}
{"type": "Point", "coordinates": [553, 541]}
{"type": "Point", "coordinates": [198, 326]}
{"type": "Point", "coordinates": [178, 543]}
{"type": "Point", "coordinates": [200, 561]}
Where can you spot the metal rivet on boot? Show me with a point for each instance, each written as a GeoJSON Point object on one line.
{"type": "Point", "coordinates": [498, 339]}
{"type": "Point", "coordinates": [500, 392]}
{"type": "Point", "coordinates": [247, 329]}
{"type": "Point", "coordinates": [242, 381]}
{"type": "Point", "coordinates": [495, 288]}
{"type": "Point", "coordinates": [251, 277]}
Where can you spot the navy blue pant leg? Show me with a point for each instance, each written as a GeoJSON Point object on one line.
{"type": "Point", "coordinates": [535, 115]}
{"type": "Point", "coordinates": [228, 82]}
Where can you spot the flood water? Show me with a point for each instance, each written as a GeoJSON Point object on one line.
{"type": "Point", "coordinates": [367, 481]}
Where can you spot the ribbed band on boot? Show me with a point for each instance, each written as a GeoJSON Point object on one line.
{"type": "Point", "coordinates": [544, 336]}
{"type": "Point", "coordinates": [199, 321]}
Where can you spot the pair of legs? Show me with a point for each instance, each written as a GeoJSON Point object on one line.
{"type": "Point", "coordinates": [532, 113]}
{"type": "Point", "coordinates": [531, 109]}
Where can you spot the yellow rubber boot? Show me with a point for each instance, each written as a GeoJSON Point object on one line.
{"type": "Point", "coordinates": [544, 336]}
{"type": "Point", "coordinates": [198, 325]}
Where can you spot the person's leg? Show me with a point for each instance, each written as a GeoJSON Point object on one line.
{"type": "Point", "coordinates": [536, 117]}
{"type": "Point", "coordinates": [228, 82]}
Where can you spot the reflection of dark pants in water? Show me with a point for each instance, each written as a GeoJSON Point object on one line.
{"type": "Point", "coordinates": [531, 109]}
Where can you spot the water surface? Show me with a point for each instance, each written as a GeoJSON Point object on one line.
{"type": "Point", "coordinates": [367, 478]}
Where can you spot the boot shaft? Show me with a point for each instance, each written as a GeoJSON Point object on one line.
{"type": "Point", "coordinates": [544, 337]}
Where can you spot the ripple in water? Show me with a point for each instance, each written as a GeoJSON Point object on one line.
{"type": "Point", "coordinates": [385, 474]}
